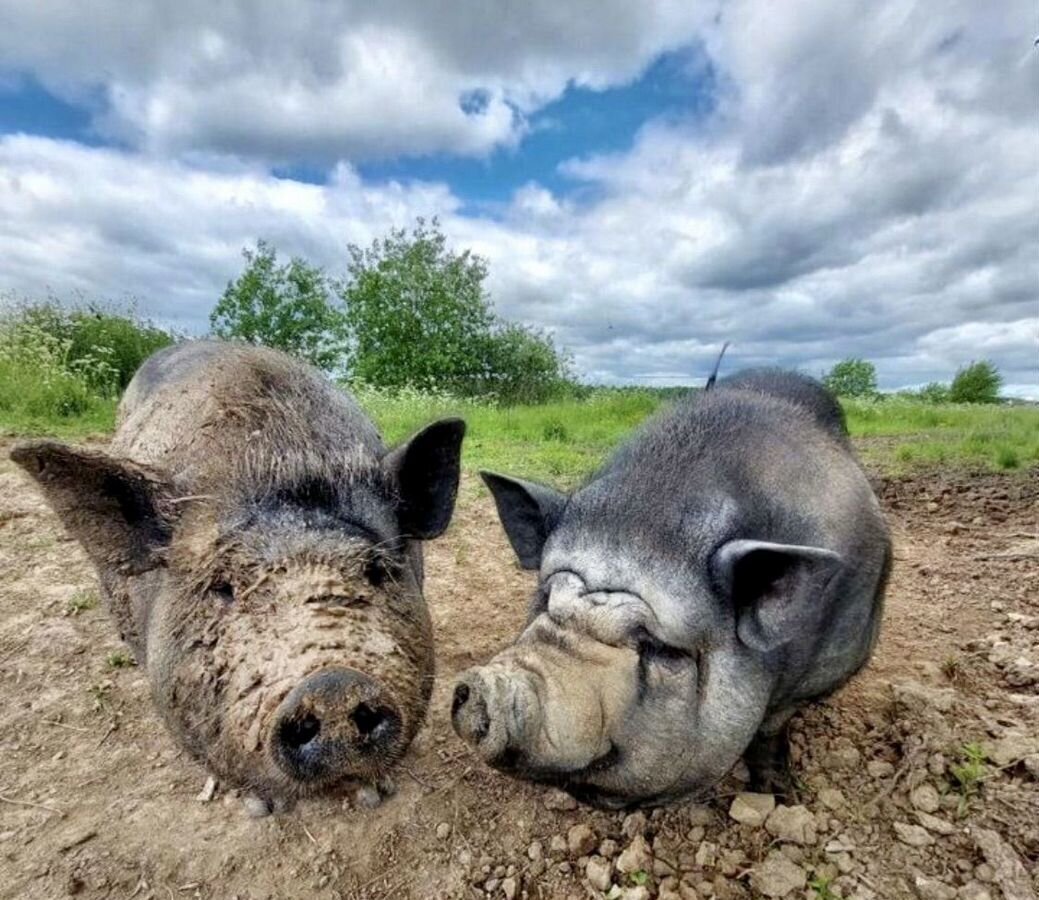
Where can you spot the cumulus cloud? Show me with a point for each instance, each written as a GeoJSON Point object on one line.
{"type": "Point", "coordinates": [865, 186]}
{"type": "Point", "coordinates": [326, 81]}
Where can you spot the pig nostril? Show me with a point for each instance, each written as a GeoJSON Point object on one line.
{"type": "Point", "coordinates": [367, 719]}
{"type": "Point", "coordinates": [461, 698]}
{"type": "Point", "coordinates": [300, 732]}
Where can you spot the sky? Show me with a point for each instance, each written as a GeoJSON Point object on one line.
{"type": "Point", "coordinates": [808, 180]}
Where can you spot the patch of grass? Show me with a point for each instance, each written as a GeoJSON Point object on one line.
{"type": "Point", "coordinates": [969, 773]}
{"type": "Point", "coordinates": [120, 659]}
{"type": "Point", "coordinates": [820, 884]}
{"type": "Point", "coordinates": [100, 693]}
{"type": "Point", "coordinates": [639, 877]}
{"type": "Point", "coordinates": [80, 602]}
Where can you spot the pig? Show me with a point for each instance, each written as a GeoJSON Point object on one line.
{"type": "Point", "coordinates": [724, 567]}
{"type": "Point", "coordinates": [258, 549]}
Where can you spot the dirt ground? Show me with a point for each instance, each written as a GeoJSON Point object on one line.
{"type": "Point", "coordinates": [96, 801]}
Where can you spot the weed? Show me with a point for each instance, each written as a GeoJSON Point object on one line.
{"type": "Point", "coordinates": [80, 602]}
{"type": "Point", "coordinates": [120, 659]}
{"type": "Point", "coordinates": [554, 430]}
{"type": "Point", "coordinates": [820, 884]}
{"type": "Point", "coordinates": [969, 773]}
{"type": "Point", "coordinates": [1007, 458]}
{"type": "Point", "coordinates": [100, 694]}
{"type": "Point", "coordinates": [639, 877]}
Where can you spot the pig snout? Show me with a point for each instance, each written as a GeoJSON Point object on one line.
{"type": "Point", "coordinates": [491, 712]}
{"type": "Point", "coordinates": [333, 724]}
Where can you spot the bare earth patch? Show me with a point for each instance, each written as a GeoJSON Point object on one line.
{"type": "Point", "coordinates": [918, 780]}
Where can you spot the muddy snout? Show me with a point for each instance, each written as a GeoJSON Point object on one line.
{"type": "Point", "coordinates": [336, 723]}
{"type": "Point", "coordinates": [492, 712]}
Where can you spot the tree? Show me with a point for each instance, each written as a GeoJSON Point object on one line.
{"type": "Point", "coordinates": [418, 315]}
{"type": "Point", "coordinates": [934, 392]}
{"type": "Point", "coordinates": [852, 378]}
{"type": "Point", "coordinates": [977, 383]}
{"type": "Point", "coordinates": [289, 307]}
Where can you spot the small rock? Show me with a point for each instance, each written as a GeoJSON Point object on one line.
{"type": "Point", "coordinates": [919, 698]}
{"type": "Point", "coordinates": [491, 885]}
{"type": "Point", "coordinates": [879, 768]}
{"type": "Point", "coordinates": [509, 887]}
{"type": "Point", "coordinates": [933, 823]}
{"type": "Point", "coordinates": [557, 846]}
{"type": "Point", "coordinates": [608, 848]}
{"type": "Point", "coordinates": [443, 831]}
{"type": "Point", "coordinates": [208, 790]}
{"type": "Point", "coordinates": [634, 824]}
{"type": "Point", "coordinates": [256, 807]}
{"type": "Point", "coordinates": [581, 840]}
{"type": "Point", "coordinates": [707, 855]}
{"type": "Point", "coordinates": [844, 758]}
{"type": "Point", "coordinates": [925, 798]}
{"type": "Point", "coordinates": [752, 809]}
{"type": "Point", "coordinates": [1009, 873]}
{"type": "Point", "coordinates": [932, 889]}
{"type": "Point", "coordinates": [913, 835]}
{"type": "Point", "coordinates": [536, 851]}
{"type": "Point", "coordinates": [1012, 748]}
{"type": "Point", "coordinates": [832, 798]}
{"type": "Point", "coordinates": [635, 857]}
{"type": "Point", "coordinates": [699, 814]}
{"type": "Point", "coordinates": [599, 873]}
{"type": "Point", "coordinates": [559, 801]}
{"type": "Point", "coordinates": [777, 876]}
{"type": "Point", "coordinates": [639, 892]}
{"type": "Point", "coordinates": [792, 823]}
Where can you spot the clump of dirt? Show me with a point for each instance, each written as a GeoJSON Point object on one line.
{"type": "Point", "coordinates": [917, 780]}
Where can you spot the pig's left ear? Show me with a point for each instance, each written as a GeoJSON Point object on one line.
{"type": "Point", "coordinates": [119, 511]}
{"type": "Point", "coordinates": [528, 513]}
{"type": "Point", "coordinates": [776, 589]}
{"type": "Point", "coordinates": [425, 471]}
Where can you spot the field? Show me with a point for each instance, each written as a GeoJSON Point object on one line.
{"type": "Point", "coordinates": [918, 780]}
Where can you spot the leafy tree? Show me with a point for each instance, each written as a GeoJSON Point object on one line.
{"type": "Point", "coordinates": [852, 378]}
{"type": "Point", "coordinates": [418, 315]}
{"type": "Point", "coordinates": [977, 383]}
{"type": "Point", "coordinates": [290, 307]}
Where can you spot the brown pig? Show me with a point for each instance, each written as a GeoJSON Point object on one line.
{"type": "Point", "coordinates": [258, 548]}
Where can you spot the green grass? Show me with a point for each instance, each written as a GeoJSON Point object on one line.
{"type": "Point", "coordinates": [561, 442]}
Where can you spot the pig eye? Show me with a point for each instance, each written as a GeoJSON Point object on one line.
{"type": "Point", "coordinates": [652, 650]}
{"type": "Point", "coordinates": [223, 590]}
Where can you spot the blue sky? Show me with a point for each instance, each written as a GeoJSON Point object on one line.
{"type": "Point", "coordinates": [808, 181]}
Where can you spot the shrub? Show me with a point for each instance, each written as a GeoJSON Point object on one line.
{"type": "Point", "coordinates": [852, 378]}
{"type": "Point", "coordinates": [935, 392]}
{"type": "Point", "coordinates": [977, 383]}
{"type": "Point", "coordinates": [289, 307]}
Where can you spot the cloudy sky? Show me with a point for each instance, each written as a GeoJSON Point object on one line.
{"type": "Point", "coordinates": [809, 179]}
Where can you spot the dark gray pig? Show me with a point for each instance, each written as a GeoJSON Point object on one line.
{"type": "Point", "coordinates": [257, 547]}
{"type": "Point", "coordinates": [725, 566]}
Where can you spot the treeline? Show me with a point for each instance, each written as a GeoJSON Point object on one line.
{"type": "Point", "coordinates": [977, 382]}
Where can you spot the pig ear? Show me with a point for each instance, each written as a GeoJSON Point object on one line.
{"type": "Point", "coordinates": [426, 471]}
{"type": "Point", "coordinates": [776, 589]}
{"type": "Point", "coordinates": [528, 513]}
{"type": "Point", "coordinates": [120, 512]}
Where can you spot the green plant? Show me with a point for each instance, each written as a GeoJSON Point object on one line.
{"type": "Point", "coordinates": [289, 307]}
{"type": "Point", "coordinates": [639, 877]}
{"type": "Point", "coordinates": [935, 392]}
{"type": "Point", "coordinates": [418, 316]}
{"type": "Point", "coordinates": [80, 602]}
{"type": "Point", "coordinates": [100, 694]}
{"type": "Point", "coordinates": [977, 383]}
{"type": "Point", "coordinates": [969, 773]}
{"type": "Point", "coordinates": [554, 430]}
{"type": "Point", "coordinates": [1007, 458]}
{"type": "Point", "coordinates": [120, 659]}
{"type": "Point", "coordinates": [820, 884]}
{"type": "Point", "coordinates": [852, 378]}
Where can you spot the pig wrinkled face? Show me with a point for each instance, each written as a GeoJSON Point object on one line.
{"type": "Point", "coordinates": [640, 678]}
{"type": "Point", "coordinates": [276, 604]}
{"type": "Point", "coordinates": [299, 656]}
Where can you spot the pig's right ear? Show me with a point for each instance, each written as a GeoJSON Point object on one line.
{"type": "Point", "coordinates": [120, 512]}
{"type": "Point", "coordinates": [528, 513]}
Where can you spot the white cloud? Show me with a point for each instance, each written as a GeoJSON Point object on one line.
{"type": "Point", "coordinates": [867, 186]}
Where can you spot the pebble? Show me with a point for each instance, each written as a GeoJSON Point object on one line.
{"type": "Point", "coordinates": [707, 855]}
{"type": "Point", "coordinates": [933, 823]}
{"type": "Point", "coordinates": [913, 835]}
{"type": "Point", "coordinates": [443, 831]}
{"type": "Point", "coordinates": [752, 809]}
{"type": "Point", "coordinates": [974, 890]}
{"type": "Point", "coordinates": [792, 823]}
{"type": "Point", "coordinates": [634, 824]}
{"type": "Point", "coordinates": [559, 801]}
{"type": "Point", "coordinates": [639, 892]}
{"type": "Point", "coordinates": [777, 876]}
{"type": "Point", "coordinates": [599, 873]}
{"type": "Point", "coordinates": [208, 790]}
{"type": "Point", "coordinates": [832, 798]}
{"type": "Point", "coordinates": [557, 846]}
{"type": "Point", "coordinates": [635, 857]}
{"type": "Point", "coordinates": [925, 798]}
{"type": "Point", "coordinates": [581, 840]}
{"type": "Point", "coordinates": [932, 889]}
{"type": "Point", "coordinates": [536, 851]}
{"type": "Point", "coordinates": [879, 768]}
{"type": "Point", "coordinates": [510, 888]}
{"type": "Point", "coordinates": [609, 848]}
